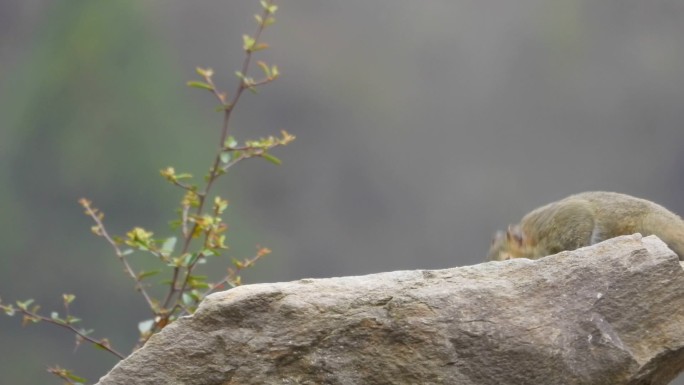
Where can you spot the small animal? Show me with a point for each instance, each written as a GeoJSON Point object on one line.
{"type": "Point", "coordinates": [585, 219]}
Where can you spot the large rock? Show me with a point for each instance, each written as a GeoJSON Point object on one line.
{"type": "Point", "coordinates": [612, 313]}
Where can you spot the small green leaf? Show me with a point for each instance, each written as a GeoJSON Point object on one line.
{"type": "Point", "coordinates": [144, 274]}
{"type": "Point", "coordinates": [271, 158]}
{"type": "Point", "coordinates": [268, 6]}
{"type": "Point", "coordinates": [99, 347]}
{"type": "Point", "coordinates": [140, 239]}
{"type": "Point", "coordinates": [205, 72]}
{"type": "Point", "coordinates": [73, 377]}
{"type": "Point", "coordinates": [168, 246]}
{"type": "Point", "coordinates": [196, 295]}
{"type": "Point", "coordinates": [25, 304]}
{"type": "Point", "coordinates": [259, 47]}
{"type": "Point", "coordinates": [72, 320]}
{"type": "Point", "coordinates": [9, 310]}
{"type": "Point", "coordinates": [225, 157]}
{"type": "Point", "coordinates": [68, 298]}
{"type": "Point", "coordinates": [220, 205]}
{"type": "Point", "coordinates": [230, 142]}
{"type": "Point", "coordinates": [145, 326]}
{"type": "Point", "coordinates": [190, 259]}
{"type": "Point", "coordinates": [248, 42]}
{"type": "Point", "coordinates": [126, 252]}
{"type": "Point", "coordinates": [197, 278]}
{"type": "Point", "coordinates": [202, 85]}
{"type": "Point", "coordinates": [175, 262]}
{"type": "Point", "coordinates": [253, 90]}
{"type": "Point", "coordinates": [264, 67]}
{"type": "Point", "coordinates": [199, 285]}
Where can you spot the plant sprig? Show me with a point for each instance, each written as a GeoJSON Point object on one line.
{"type": "Point", "coordinates": [31, 315]}
{"type": "Point", "coordinates": [185, 289]}
{"type": "Point", "coordinates": [201, 226]}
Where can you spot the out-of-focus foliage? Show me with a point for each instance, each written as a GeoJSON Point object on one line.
{"type": "Point", "coordinates": [90, 104]}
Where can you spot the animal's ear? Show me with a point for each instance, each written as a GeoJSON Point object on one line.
{"type": "Point", "coordinates": [515, 235]}
{"type": "Point", "coordinates": [499, 236]}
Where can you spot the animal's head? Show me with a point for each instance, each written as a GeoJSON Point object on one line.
{"type": "Point", "coordinates": [509, 244]}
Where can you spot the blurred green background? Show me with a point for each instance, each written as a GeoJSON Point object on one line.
{"type": "Point", "coordinates": [422, 128]}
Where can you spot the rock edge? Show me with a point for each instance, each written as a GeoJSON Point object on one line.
{"type": "Point", "coordinates": [611, 313]}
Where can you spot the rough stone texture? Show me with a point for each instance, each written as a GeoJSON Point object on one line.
{"type": "Point", "coordinates": [612, 313]}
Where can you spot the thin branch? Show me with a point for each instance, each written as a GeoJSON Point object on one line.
{"type": "Point", "coordinates": [233, 273]}
{"type": "Point", "coordinates": [214, 172]}
{"type": "Point", "coordinates": [104, 344]}
{"type": "Point", "coordinates": [66, 375]}
{"type": "Point", "coordinates": [183, 185]}
{"type": "Point", "coordinates": [127, 267]}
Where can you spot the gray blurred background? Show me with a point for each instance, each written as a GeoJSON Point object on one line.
{"type": "Point", "coordinates": [422, 128]}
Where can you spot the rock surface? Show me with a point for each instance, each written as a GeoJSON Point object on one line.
{"type": "Point", "coordinates": [612, 313]}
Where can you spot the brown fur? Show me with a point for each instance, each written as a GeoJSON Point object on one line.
{"type": "Point", "coordinates": [585, 219]}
